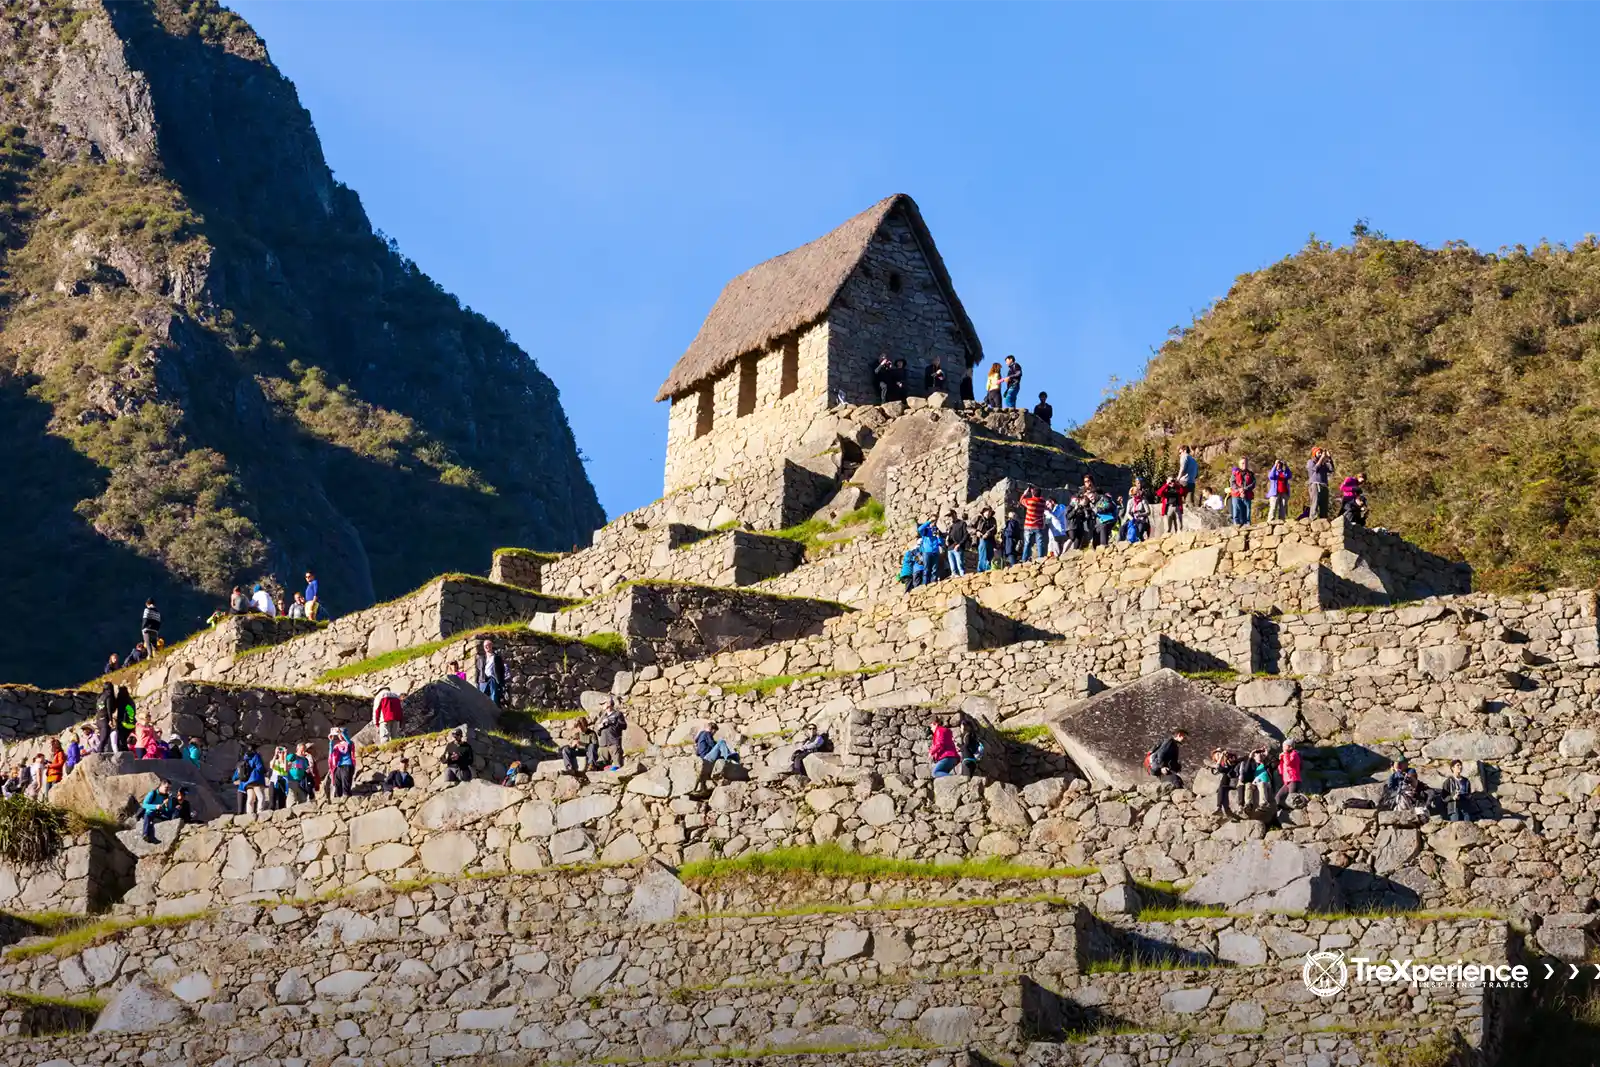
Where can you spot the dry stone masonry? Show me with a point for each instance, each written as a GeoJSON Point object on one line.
{"type": "Point", "coordinates": [1057, 907]}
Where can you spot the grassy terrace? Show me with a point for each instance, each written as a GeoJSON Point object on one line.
{"type": "Point", "coordinates": [765, 686]}
{"type": "Point", "coordinates": [832, 861]}
{"type": "Point", "coordinates": [610, 644]}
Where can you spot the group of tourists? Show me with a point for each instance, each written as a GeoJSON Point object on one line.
{"type": "Point", "coordinates": [952, 755]}
{"type": "Point", "coordinates": [598, 741]}
{"type": "Point", "coordinates": [1092, 516]}
{"type": "Point", "coordinates": [1405, 791]}
{"type": "Point", "coordinates": [260, 601]}
{"type": "Point", "coordinates": [891, 380]}
{"type": "Point", "coordinates": [1243, 487]}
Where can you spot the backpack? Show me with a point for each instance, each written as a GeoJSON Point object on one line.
{"type": "Point", "coordinates": [342, 754]}
{"type": "Point", "coordinates": [1149, 762]}
{"type": "Point", "coordinates": [241, 771]}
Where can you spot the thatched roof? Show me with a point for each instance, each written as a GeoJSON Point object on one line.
{"type": "Point", "coordinates": [796, 289]}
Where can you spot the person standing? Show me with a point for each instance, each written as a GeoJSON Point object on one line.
{"type": "Point", "coordinates": [313, 598]}
{"type": "Point", "coordinates": [1188, 470]}
{"type": "Point", "coordinates": [1105, 520]}
{"type": "Point", "coordinates": [1289, 774]}
{"type": "Point", "coordinates": [150, 625]}
{"type": "Point", "coordinates": [883, 377]}
{"type": "Point", "coordinates": [127, 719]}
{"type": "Point", "coordinates": [956, 541]}
{"type": "Point", "coordinates": [1318, 470]}
{"type": "Point", "coordinates": [984, 528]}
{"type": "Point", "coordinates": [489, 672]}
{"type": "Point", "coordinates": [1242, 490]}
{"type": "Point", "coordinates": [1011, 540]}
{"type": "Point", "coordinates": [899, 388]}
{"type": "Point", "coordinates": [933, 379]}
{"type": "Point", "coordinates": [1055, 517]}
{"type": "Point", "coordinates": [387, 714]}
{"type": "Point", "coordinates": [1042, 410]}
{"type": "Point", "coordinates": [1013, 383]}
{"type": "Point", "coordinates": [1171, 495]}
{"type": "Point", "coordinates": [1278, 491]}
{"type": "Point", "coordinates": [991, 387]}
{"type": "Point", "coordinates": [1033, 534]}
{"type": "Point", "coordinates": [341, 762]}
{"type": "Point", "coordinates": [105, 713]}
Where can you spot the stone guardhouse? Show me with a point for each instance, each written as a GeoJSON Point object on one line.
{"type": "Point", "coordinates": [791, 337]}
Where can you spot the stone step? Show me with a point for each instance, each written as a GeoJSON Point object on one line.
{"type": "Point", "coordinates": [1403, 1042]}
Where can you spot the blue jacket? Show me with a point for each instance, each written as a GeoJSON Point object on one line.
{"type": "Point", "coordinates": [154, 802]}
{"type": "Point", "coordinates": [1056, 517]}
{"type": "Point", "coordinates": [910, 563]}
{"type": "Point", "coordinates": [932, 543]}
{"type": "Point", "coordinates": [257, 772]}
{"type": "Point", "coordinates": [704, 743]}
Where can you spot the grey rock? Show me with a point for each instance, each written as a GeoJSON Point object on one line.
{"type": "Point", "coordinates": [1257, 876]}
{"type": "Point", "coordinates": [1187, 1001]}
{"type": "Point", "coordinates": [946, 1026]}
{"type": "Point", "coordinates": [659, 896]}
{"type": "Point", "coordinates": [845, 944]}
{"type": "Point", "coordinates": [593, 973]}
{"type": "Point", "coordinates": [1266, 693]}
{"type": "Point", "coordinates": [141, 1006]}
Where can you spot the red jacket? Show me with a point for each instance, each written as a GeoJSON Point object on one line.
{"type": "Point", "coordinates": [943, 746]}
{"type": "Point", "coordinates": [1171, 495]}
{"type": "Point", "coordinates": [1289, 765]}
{"type": "Point", "coordinates": [1243, 482]}
{"type": "Point", "coordinates": [387, 709]}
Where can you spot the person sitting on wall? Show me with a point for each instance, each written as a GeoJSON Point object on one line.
{"type": "Point", "coordinates": [182, 807]}
{"type": "Point", "coordinates": [513, 774]}
{"type": "Point", "coordinates": [113, 661]}
{"type": "Point", "coordinates": [942, 751]}
{"type": "Point", "coordinates": [817, 741]}
{"type": "Point", "coordinates": [1289, 775]}
{"type": "Point", "coordinates": [971, 745]}
{"type": "Point", "coordinates": [1227, 768]}
{"type": "Point", "coordinates": [399, 778]}
{"type": "Point", "coordinates": [1162, 761]}
{"type": "Point", "coordinates": [709, 749]}
{"type": "Point", "coordinates": [1393, 784]}
{"type": "Point", "coordinates": [457, 758]}
{"type": "Point", "coordinates": [578, 739]}
{"type": "Point", "coordinates": [1257, 777]}
{"type": "Point", "coordinates": [157, 806]}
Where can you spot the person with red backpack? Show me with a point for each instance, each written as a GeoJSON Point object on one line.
{"type": "Point", "coordinates": [387, 714]}
{"type": "Point", "coordinates": [1242, 489]}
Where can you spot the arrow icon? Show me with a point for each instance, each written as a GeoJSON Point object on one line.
{"type": "Point", "coordinates": [1574, 973]}
{"type": "Point", "coordinates": [1597, 970]}
{"type": "Point", "coordinates": [1549, 970]}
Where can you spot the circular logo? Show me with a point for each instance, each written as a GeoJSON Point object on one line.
{"type": "Point", "coordinates": [1325, 973]}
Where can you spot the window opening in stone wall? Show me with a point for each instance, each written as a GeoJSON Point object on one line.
{"type": "Point", "coordinates": [894, 283]}
{"type": "Point", "coordinates": [789, 368]}
{"type": "Point", "coordinates": [747, 384]}
{"type": "Point", "coordinates": [703, 411]}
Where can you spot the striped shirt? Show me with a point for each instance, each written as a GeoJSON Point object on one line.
{"type": "Point", "coordinates": [1033, 512]}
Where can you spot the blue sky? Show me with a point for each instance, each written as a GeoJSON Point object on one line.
{"type": "Point", "coordinates": [589, 175]}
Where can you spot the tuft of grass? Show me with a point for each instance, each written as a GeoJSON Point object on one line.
{"type": "Point", "coordinates": [1175, 914]}
{"type": "Point", "coordinates": [832, 860]}
{"type": "Point", "coordinates": [528, 553]}
{"type": "Point", "coordinates": [1223, 675]}
{"type": "Point", "coordinates": [1141, 961]}
{"type": "Point", "coordinates": [32, 833]}
{"type": "Point", "coordinates": [39, 1000]}
{"type": "Point", "coordinates": [75, 939]}
{"type": "Point", "coordinates": [1025, 735]}
{"type": "Point", "coordinates": [821, 1051]}
{"type": "Point", "coordinates": [900, 904]}
{"type": "Point", "coordinates": [610, 644]}
{"type": "Point", "coordinates": [765, 686]}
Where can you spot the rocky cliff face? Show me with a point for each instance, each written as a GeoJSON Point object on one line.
{"type": "Point", "coordinates": [211, 368]}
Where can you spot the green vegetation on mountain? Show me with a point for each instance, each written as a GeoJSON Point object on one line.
{"type": "Point", "coordinates": [212, 369]}
{"type": "Point", "coordinates": [1465, 384]}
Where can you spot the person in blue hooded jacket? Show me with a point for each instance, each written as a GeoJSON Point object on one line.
{"type": "Point", "coordinates": [932, 546]}
{"type": "Point", "coordinates": [157, 806]}
{"type": "Point", "coordinates": [911, 567]}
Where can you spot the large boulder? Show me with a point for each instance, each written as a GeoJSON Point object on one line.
{"type": "Point", "coordinates": [113, 783]}
{"type": "Point", "coordinates": [1269, 876]}
{"type": "Point", "coordinates": [139, 1007]}
{"type": "Point", "coordinates": [1108, 735]}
